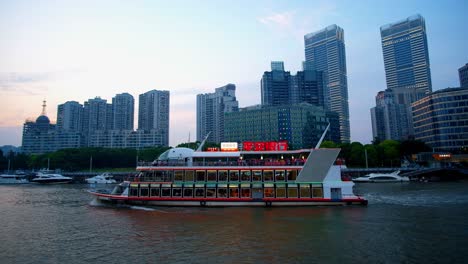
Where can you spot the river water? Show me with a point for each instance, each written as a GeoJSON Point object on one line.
{"type": "Point", "coordinates": [403, 223]}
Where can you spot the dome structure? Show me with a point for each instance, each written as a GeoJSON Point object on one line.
{"type": "Point", "coordinates": [176, 154]}
{"type": "Point", "coordinates": [42, 119]}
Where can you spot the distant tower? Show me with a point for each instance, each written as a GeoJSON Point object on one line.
{"type": "Point", "coordinates": [70, 116]}
{"type": "Point", "coordinates": [123, 111]}
{"type": "Point", "coordinates": [211, 108]}
{"type": "Point", "coordinates": [325, 50]}
{"type": "Point", "coordinates": [153, 113]}
{"type": "Point", "coordinates": [275, 85]}
{"type": "Point", "coordinates": [463, 75]}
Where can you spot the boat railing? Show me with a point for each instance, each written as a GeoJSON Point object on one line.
{"type": "Point", "coordinates": [240, 162]}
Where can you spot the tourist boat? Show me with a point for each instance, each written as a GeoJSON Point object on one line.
{"type": "Point", "coordinates": [13, 179]}
{"type": "Point", "coordinates": [184, 177]}
{"type": "Point", "coordinates": [105, 178]}
{"type": "Point", "coordinates": [50, 178]}
{"type": "Point", "coordinates": [382, 177]}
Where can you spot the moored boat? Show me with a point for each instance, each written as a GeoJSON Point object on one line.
{"type": "Point", "coordinates": [382, 177]}
{"type": "Point", "coordinates": [105, 178]}
{"type": "Point", "coordinates": [183, 177]}
{"type": "Point", "coordinates": [50, 178]}
{"type": "Point", "coordinates": [13, 179]}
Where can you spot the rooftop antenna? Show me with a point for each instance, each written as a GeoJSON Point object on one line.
{"type": "Point", "coordinates": [203, 142]}
{"type": "Point", "coordinates": [44, 108]}
{"type": "Point", "coordinates": [322, 137]}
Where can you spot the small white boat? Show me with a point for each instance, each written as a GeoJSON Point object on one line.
{"type": "Point", "coordinates": [104, 178]}
{"type": "Point", "coordinates": [50, 178]}
{"type": "Point", "coordinates": [12, 179]}
{"type": "Point", "coordinates": [382, 177]}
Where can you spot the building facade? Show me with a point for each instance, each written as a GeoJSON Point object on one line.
{"type": "Point", "coordinates": [211, 108]}
{"type": "Point", "coordinates": [97, 116]}
{"type": "Point", "coordinates": [153, 113]}
{"type": "Point", "coordinates": [70, 116]}
{"type": "Point", "coordinates": [325, 50]}
{"type": "Point", "coordinates": [123, 106]}
{"type": "Point", "coordinates": [275, 85]}
{"type": "Point", "coordinates": [307, 86]}
{"type": "Point", "coordinates": [463, 75]}
{"type": "Point", "coordinates": [441, 119]}
{"type": "Point", "coordinates": [406, 59]}
{"type": "Point", "coordinates": [301, 125]}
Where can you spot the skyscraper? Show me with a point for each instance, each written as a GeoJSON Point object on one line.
{"type": "Point", "coordinates": [97, 116]}
{"type": "Point", "coordinates": [325, 50]}
{"type": "Point", "coordinates": [211, 108]}
{"type": "Point", "coordinates": [153, 113]}
{"type": "Point", "coordinates": [407, 70]}
{"type": "Point", "coordinates": [406, 59]}
{"type": "Point", "coordinates": [69, 116]}
{"type": "Point", "coordinates": [307, 86]}
{"type": "Point", "coordinates": [123, 111]}
{"type": "Point", "coordinates": [275, 85]}
{"type": "Point", "coordinates": [463, 75]}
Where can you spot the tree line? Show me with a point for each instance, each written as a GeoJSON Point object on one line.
{"type": "Point", "coordinates": [388, 153]}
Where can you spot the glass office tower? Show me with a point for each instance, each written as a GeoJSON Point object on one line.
{"type": "Point", "coordinates": [325, 50]}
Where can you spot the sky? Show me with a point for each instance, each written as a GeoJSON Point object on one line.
{"type": "Point", "coordinates": [62, 51]}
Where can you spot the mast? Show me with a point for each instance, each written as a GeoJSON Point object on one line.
{"type": "Point", "coordinates": [323, 136]}
{"type": "Point", "coordinates": [203, 142]}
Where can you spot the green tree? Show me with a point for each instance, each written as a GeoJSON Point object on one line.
{"type": "Point", "coordinates": [391, 152]}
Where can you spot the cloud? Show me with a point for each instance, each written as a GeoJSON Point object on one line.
{"type": "Point", "coordinates": [299, 23]}
{"type": "Point", "coordinates": [24, 83]}
{"type": "Point", "coordinates": [283, 20]}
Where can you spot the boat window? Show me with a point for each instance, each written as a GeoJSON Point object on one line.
{"type": "Point", "coordinates": [199, 192]}
{"type": "Point", "coordinates": [257, 193]}
{"type": "Point", "coordinates": [222, 175]}
{"type": "Point", "coordinates": [305, 191]}
{"type": "Point", "coordinates": [179, 175]}
{"type": "Point", "coordinates": [133, 191]}
{"type": "Point", "coordinates": [245, 192]}
{"type": "Point", "coordinates": [154, 191]}
{"type": "Point", "coordinates": [291, 174]}
{"type": "Point", "coordinates": [210, 192]}
{"type": "Point", "coordinates": [292, 191]}
{"type": "Point", "coordinates": [144, 191]}
{"type": "Point", "coordinates": [257, 175]}
{"type": "Point", "coordinates": [222, 192]}
{"type": "Point", "coordinates": [245, 175]}
{"type": "Point", "coordinates": [268, 175]}
{"type": "Point", "coordinates": [188, 191]}
{"type": "Point", "coordinates": [279, 175]}
{"type": "Point", "coordinates": [233, 191]}
{"type": "Point", "coordinates": [280, 191]}
{"type": "Point", "coordinates": [211, 175]}
{"type": "Point", "coordinates": [317, 190]}
{"type": "Point", "coordinates": [233, 175]}
{"type": "Point", "coordinates": [189, 175]}
{"type": "Point", "coordinates": [200, 175]}
{"type": "Point", "coordinates": [159, 176]}
{"type": "Point", "coordinates": [176, 192]}
{"type": "Point", "coordinates": [147, 176]}
{"type": "Point", "coordinates": [166, 192]}
{"type": "Point", "coordinates": [269, 192]}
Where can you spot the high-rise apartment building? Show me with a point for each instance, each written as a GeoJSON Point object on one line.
{"type": "Point", "coordinates": [211, 108]}
{"type": "Point", "coordinates": [97, 116]}
{"type": "Point", "coordinates": [123, 111]}
{"type": "Point", "coordinates": [325, 50]}
{"type": "Point", "coordinates": [275, 85]}
{"type": "Point", "coordinates": [463, 75]}
{"type": "Point", "coordinates": [70, 116]}
{"type": "Point", "coordinates": [153, 113]}
{"type": "Point", "coordinates": [406, 59]}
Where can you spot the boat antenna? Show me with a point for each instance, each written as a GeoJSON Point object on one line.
{"type": "Point", "coordinates": [322, 137]}
{"type": "Point", "coordinates": [203, 142]}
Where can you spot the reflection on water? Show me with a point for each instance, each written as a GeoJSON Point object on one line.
{"type": "Point", "coordinates": [411, 222]}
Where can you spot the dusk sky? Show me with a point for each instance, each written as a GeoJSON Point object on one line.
{"type": "Point", "coordinates": [76, 50]}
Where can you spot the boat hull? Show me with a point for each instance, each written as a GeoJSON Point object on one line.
{"type": "Point", "coordinates": [52, 181]}
{"type": "Point", "coordinates": [228, 202]}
